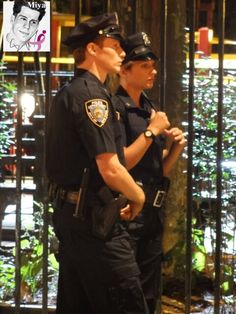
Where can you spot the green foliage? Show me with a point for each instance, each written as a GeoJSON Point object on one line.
{"type": "Point", "coordinates": [205, 136]}
{"type": "Point", "coordinates": [7, 106]}
{"type": "Point", "coordinates": [199, 250]}
{"type": "Point", "coordinates": [31, 261]}
{"type": "Point", "coordinates": [205, 123]}
{"type": "Point", "coordinates": [7, 277]}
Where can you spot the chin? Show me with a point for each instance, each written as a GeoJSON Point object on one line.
{"type": "Point", "coordinates": [115, 69]}
{"type": "Point", "coordinates": [149, 86]}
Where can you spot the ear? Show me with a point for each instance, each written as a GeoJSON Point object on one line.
{"type": "Point", "coordinates": [12, 19]}
{"type": "Point", "coordinates": [92, 48]}
{"type": "Point", "coordinates": [123, 71]}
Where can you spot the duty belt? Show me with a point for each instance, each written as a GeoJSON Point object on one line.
{"type": "Point", "coordinates": [155, 194]}
{"type": "Point", "coordinates": [68, 196]}
{"type": "Point", "coordinates": [71, 197]}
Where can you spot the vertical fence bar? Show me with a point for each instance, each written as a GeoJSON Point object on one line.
{"type": "Point", "coordinates": [163, 34]}
{"type": "Point", "coordinates": [78, 11]}
{"type": "Point", "coordinates": [44, 179]}
{"type": "Point", "coordinates": [188, 273]}
{"type": "Point", "coordinates": [45, 199]}
{"type": "Point", "coordinates": [39, 78]}
{"type": "Point", "coordinates": [108, 6]}
{"type": "Point", "coordinates": [221, 32]}
{"type": "Point", "coordinates": [18, 184]}
{"type": "Point", "coordinates": [162, 83]}
{"type": "Point", "coordinates": [134, 15]}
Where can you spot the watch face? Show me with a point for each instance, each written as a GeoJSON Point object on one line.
{"type": "Point", "coordinates": [148, 133]}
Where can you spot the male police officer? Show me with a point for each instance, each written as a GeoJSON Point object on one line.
{"type": "Point", "coordinates": [98, 273]}
{"type": "Point", "coordinates": [143, 128]}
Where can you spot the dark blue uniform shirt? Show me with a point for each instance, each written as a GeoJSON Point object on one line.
{"type": "Point", "coordinates": [134, 120]}
{"type": "Point", "coordinates": [82, 124]}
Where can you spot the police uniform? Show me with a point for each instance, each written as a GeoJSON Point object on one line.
{"type": "Point", "coordinates": [146, 229]}
{"type": "Point", "coordinates": [97, 276]}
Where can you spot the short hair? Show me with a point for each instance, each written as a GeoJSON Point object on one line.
{"type": "Point", "coordinates": [79, 53]}
{"type": "Point", "coordinates": [37, 5]}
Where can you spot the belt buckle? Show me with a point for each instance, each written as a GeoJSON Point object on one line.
{"type": "Point", "coordinates": [159, 198]}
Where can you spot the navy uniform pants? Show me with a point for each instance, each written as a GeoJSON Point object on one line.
{"type": "Point", "coordinates": [95, 276]}
{"type": "Point", "coordinates": [146, 233]}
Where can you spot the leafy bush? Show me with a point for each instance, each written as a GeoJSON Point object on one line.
{"type": "Point", "coordinates": [205, 133]}
{"type": "Point", "coordinates": [31, 262]}
{"type": "Point", "coordinates": [205, 176]}
{"type": "Point", "coordinates": [7, 107]}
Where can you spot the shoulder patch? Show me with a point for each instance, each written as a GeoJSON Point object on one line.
{"type": "Point", "coordinates": [97, 111]}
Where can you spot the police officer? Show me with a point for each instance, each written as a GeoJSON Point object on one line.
{"type": "Point", "coordinates": [143, 133]}
{"type": "Point", "coordinates": [97, 274]}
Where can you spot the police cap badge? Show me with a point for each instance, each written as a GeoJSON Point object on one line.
{"type": "Point", "coordinates": [137, 47]}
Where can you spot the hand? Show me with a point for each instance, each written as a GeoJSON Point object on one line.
{"type": "Point", "coordinates": [130, 211]}
{"type": "Point", "coordinates": [125, 213]}
{"type": "Point", "coordinates": [175, 137]}
{"type": "Point", "coordinates": [135, 209]}
{"type": "Point", "coordinates": [158, 122]}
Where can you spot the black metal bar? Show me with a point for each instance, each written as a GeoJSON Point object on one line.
{"type": "Point", "coordinates": [78, 13]}
{"type": "Point", "coordinates": [108, 6]}
{"type": "Point", "coordinates": [48, 94]}
{"type": "Point", "coordinates": [134, 10]}
{"type": "Point", "coordinates": [18, 184]}
{"type": "Point", "coordinates": [1, 42]}
{"type": "Point", "coordinates": [188, 273]}
{"type": "Point", "coordinates": [163, 34]}
{"type": "Point", "coordinates": [162, 80]}
{"type": "Point", "coordinates": [39, 87]}
{"type": "Point", "coordinates": [44, 184]}
{"type": "Point", "coordinates": [221, 32]}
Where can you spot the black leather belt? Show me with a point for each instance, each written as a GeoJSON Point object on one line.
{"type": "Point", "coordinates": [71, 197]}
{"type": "Point", "coordinates": [56, 192]}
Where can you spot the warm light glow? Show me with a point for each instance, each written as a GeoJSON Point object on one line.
{"type": "Point", "coordinates": [210, 35]}
{"type": "Point", "coordinates": [27, 104]}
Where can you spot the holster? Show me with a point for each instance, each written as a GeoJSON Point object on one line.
{"type": "Point", "coordinates": [105, 216]}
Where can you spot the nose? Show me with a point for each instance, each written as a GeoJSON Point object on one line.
{"type": "Point", "coordinates": [122, 54]}
{"type": "Point", "coordinates": [154, 71]}
{"type": "Point", "coordinates": [27, 24]}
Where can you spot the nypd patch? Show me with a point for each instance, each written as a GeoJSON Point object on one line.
{"type": "Point", "coordinates": [97, 111]}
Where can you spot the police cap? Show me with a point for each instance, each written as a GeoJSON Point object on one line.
{"type": "Point", "coordinates": [102, 25]}
{"type": "Point", "coordinates": [138, 47]}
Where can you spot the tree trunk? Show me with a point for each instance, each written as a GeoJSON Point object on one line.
{"type": "Point", "coordinates": [175, 108]}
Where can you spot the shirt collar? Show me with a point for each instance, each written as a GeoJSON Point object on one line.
{"type": "Point", "coordinates": [129, 103]}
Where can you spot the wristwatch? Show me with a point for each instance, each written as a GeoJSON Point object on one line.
{"type": "Point", "coordinates": [148, 133]}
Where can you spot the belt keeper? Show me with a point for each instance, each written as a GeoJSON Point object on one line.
{"type": "Point", "coordinates": [159, 198]}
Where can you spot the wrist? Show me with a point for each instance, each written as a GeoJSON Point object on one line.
{"type": "Point", "coordinates": [148, 133]}
{"type": "Point", "coordinates": [140, 196]}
